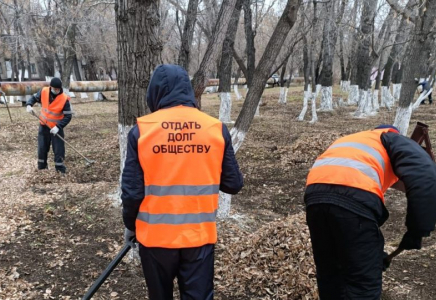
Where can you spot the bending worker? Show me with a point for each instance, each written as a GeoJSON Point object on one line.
{"type": "Point", "coordinates": [345, 207]}
{"type": "Point", "coordinates": [425, 89]}
{"type": "Point", "coordinates": [178, 158]}
{"type": "Point", "coordinates": [56, 113]}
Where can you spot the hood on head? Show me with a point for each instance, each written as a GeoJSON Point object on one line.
{"type": "Point", "coordinates": [383, 126]}
{"type": "Point", "coordinates": [170, 86]}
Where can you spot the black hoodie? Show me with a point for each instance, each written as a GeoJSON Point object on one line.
{"type": "Point", "coordinates": [169, 86]}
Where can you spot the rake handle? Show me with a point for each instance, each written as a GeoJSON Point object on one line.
{"type": "Point", "coordinates": [45, 123]}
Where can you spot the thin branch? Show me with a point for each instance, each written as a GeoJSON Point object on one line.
{"type": "Point", "coordinates": [403, 12]}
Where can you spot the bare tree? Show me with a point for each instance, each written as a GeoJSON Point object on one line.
{"type": "Point", "coordinates": [416, 59]}
{"type": "Point", "coordinates": [213, 49]}
{"type": "Point", "coordinates": [261, 73]}
{"type": "Point", "coordinates": [330, 34]}
{"type": "Point", "coordinates": [364, 65]}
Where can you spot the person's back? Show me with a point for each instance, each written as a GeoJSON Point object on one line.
{"type": "Point", "coordinates": [345, 207]}
{"type": "Point", "coordinates": [178, 159]}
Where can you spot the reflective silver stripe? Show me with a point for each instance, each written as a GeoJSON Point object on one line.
{"type": "Point", "coordinates": [177, 219]}
{"type": "Point", "coordinates": [59, 164]}
{"type": "Point", "coordinates": [181, 190]}
{"type": "Point", "coordinates": [67, 112]}
{"type": "Point", "coordinates": [41, 161]}
{"type": "Point", "coordinates": [51, 120]}
{"type": "Point", "coordinates": [53, 113]}
{"type": "Point", "coordinates": [371, 151]}
{"type": "Point", "coordinates": [346, 162]}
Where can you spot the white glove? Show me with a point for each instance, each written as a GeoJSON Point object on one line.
{"type": "Point", "coordinates": [29, 109]}
{"type": "Point", "coordinates": [54, 130]}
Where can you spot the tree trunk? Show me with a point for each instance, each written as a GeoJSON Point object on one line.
{"type": "Point", "coordinates": [188, 34]}
{"type": "Point", "coordinates": [283, 89]}
{"type": "Point", "coordinates": [225, 67]}
{"type": "Point", "coordinates": [329, 42]}
{"type": "Point", "coordinates": [69, 54]}
{"type": "Point", "coordinates": [415, 60]}
{"type": "Point", "coordinates": [249, 36]}
{"type": "Point", "coordinates": [139, 51]}
{"type": "Point", "coordinates": [364, 65]}
{"type": "Point", "coordinates": [261, 73]}
{"type": "Point", "coordinates": [213, 48]}
{"type": "Point", "coordinates": [76, 69]}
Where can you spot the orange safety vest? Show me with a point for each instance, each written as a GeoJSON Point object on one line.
{"type": "Point", "coordinates": [52, 113]}
{"type": "Point", "coordinates": [181, 151]}
{"type": "Point", "coordinates": [358, 160]}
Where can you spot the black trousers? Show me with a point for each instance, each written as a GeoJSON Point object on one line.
{"type": "Point", "coordinates": [348, 253]}
{"type": "Point", "coordinates": [45, 138]}
{"type": "Point", "coordinates": [430, 100]}
{"type": "Point", "coordinates": [193, 267]}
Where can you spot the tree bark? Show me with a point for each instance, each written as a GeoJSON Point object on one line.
{"type": "Point", "coordinates": [225, 67]}
{"type": "Point", "coordinates": [249, 37]}
{"type": "Point", "coordinates": [363, 66]}
{"type": "Point", "coordinates": [139, 52]}
{"type": "Point", "coordinates": [260, 77]}
{"type": "Point", "coordinates": [213, 48]}
{"type": "Point", "coordinates": [188, 34]}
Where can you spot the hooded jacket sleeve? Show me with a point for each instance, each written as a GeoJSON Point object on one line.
{"type": "Point", "coordinates": [68, 114]}
{"type": "Point", "coordinates": [35, 98]}
{"type": "Point", "coordinates": [231, 177]}
{"type": "Point", "coordinates": [414, 167]}
{"type": "Point", "coordinates": [132, 181]}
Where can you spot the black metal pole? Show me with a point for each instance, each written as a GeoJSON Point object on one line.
{"type": "Point", "coordinates": [107, 272]}
{"type": "Point", "coordinates": [6, 103]}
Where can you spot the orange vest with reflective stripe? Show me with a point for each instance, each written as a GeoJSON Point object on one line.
{"type": "Point", "coordinates": [181, 152]}
{"type": "Point", "coordinates": [52, 113]}
{"type": "Point", "coordinates": [358, 160]}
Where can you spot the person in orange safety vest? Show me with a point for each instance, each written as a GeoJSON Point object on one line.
{"type": "Point", "coordinates": [345, 206]}
{"type": "Point", "coordinates": [178, 159]}
{"type": "Point", "coordinates": [56, 113]}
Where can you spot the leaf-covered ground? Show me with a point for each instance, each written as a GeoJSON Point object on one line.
{"type": "Point", "coordinates": [57, 233]}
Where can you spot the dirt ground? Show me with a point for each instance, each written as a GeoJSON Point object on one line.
{"type": "Point", "coordinates": [57, 233]}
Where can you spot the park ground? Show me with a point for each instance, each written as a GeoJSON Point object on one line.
{"type": "Point", "coordinates": [57, 233]}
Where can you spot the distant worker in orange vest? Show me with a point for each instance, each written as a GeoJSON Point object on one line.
{"type": "Point", "coordinates": [345, 207]}
{"type": "Point", "coordinates": [178, 159]}
{"type": "Point", "coordinates": [56, 112]}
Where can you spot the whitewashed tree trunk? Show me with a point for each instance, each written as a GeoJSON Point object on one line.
{"type": "Point", "coordinates": [368, 109]}
{"type": "Point", "coordinates": [326, 99]}
{"type": "Point", "coordinates": [318, 89]}
{"type": "Point", "coordinates": [283, 95]}
{"type": "Point", "coordinates": [362, 105]}
{"type": "Point", "coordinates": [235, 89]}
{"type": "Point", "coordinates": [11, 99]}
{"type": "Point", "coordinates": [224, 203]}
{"type": "Point", "coordinates": [396, 90]}
{"type": "Point", "coordinates": [84, 95]}
{"type": "Point", "coordinates": [353, 95]}
{"type": "Point", "coordinates": [225, 108]}
{"type": "Point", "coordinates": [238, 137]}
{"type": "Point", "coordinates": [402, 118]}
{"type": "Point", "coordinates": [386, 98]}
{"type": "Point", "coordinates": [345, 86]}
{"type": "Point", "coordinates": [305, 101]}
{"type": "Point", "coordinates": [313, 101]}
{"type": "Point", "coordinates": [375, 103]}
{"type": "Point", "coordinates": [257, 113]}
